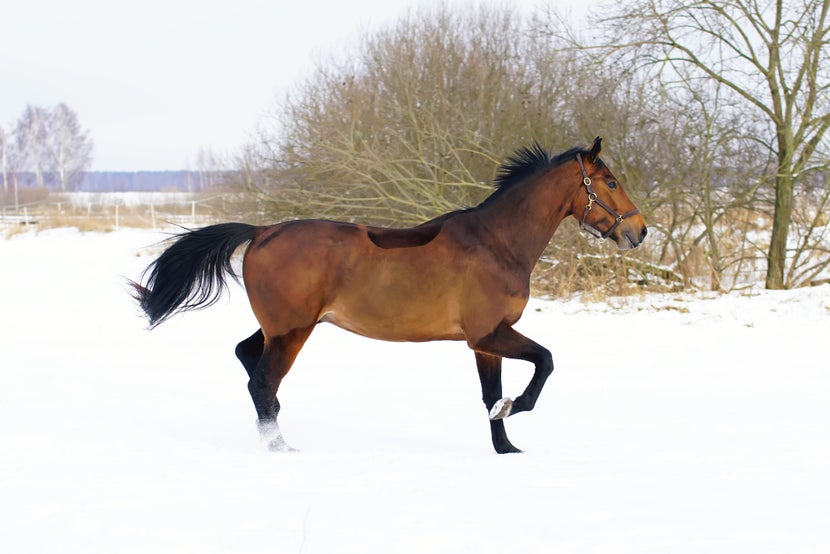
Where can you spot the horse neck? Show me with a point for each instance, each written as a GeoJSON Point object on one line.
{"type": "Point", "coordinates": [526, 216]}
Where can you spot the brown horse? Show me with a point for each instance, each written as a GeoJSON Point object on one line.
{"type": "Point", "coordinates": [462, 276]}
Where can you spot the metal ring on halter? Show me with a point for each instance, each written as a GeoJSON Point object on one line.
{"type": "Point", "coordinates": [592, 197]}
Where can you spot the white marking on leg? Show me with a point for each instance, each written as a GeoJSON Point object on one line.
{"type": "Point", "coordinates": [270, 433]}
{"type": "Point", "coordinates": [501, 409]}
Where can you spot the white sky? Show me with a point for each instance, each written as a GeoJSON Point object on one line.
{"type": "Point", "coordinates": [154, 81]}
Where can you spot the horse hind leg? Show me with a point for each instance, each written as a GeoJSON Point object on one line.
{"type": "Point", "coordinates": [249, 351]}
{"type": "Point", "coordinates": [276, 360]}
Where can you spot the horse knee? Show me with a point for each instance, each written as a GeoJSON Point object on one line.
{"type": "Point", "coordinates": [545, 365]}
{"type": "Point", "coordinates": [527, 400]}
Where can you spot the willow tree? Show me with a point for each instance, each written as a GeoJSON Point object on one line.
{"type": "Point", "coordinates": [773, 58]}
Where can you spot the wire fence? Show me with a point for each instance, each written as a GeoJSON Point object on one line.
{"type": "Point", "coordinates": [112, 211]}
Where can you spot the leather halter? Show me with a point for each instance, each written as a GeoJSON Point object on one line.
{"type": "Point", "coordinates": [594, 199]}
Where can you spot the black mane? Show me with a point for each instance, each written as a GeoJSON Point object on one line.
{"type": "Point", "coordinates": [528, 161]}
{"type": "Point", "coordinates": [525, 162]}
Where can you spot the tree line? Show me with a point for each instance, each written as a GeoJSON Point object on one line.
{"type": "Point", "coordinates": [46, 148]}
{"type": "Point", "coordinates": [714, 114]}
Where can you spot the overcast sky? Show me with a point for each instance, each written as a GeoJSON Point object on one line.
{"type": "Point", "coordinates": [154, 81]}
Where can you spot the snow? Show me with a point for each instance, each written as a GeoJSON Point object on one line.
{"type": "Point", "coordinates": [672, 423]}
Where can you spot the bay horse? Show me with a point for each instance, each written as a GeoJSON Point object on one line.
{"type": "Point", "coordinates": [462, 276]}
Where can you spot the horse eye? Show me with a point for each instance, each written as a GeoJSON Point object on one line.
{"type": "Point", "coordinates": [612, 185]}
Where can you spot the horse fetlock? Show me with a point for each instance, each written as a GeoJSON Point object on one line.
{"type": "Point", "coordinates": [524, 403]}
{"type": "Point", "coordinates": [278, 444]}
{"type": "Point", "coordinates": [268, 428]}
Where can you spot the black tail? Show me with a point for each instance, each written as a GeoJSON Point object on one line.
{"type": "Point", "coordinates": [190, 274]}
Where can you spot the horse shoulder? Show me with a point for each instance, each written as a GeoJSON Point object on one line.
{"type": "Point", "coordinates": [489, 267]}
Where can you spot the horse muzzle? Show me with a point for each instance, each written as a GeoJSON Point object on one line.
{"type": "Point", "coordinates": [630, 236]}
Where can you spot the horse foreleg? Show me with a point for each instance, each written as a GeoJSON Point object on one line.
{"type": "Point", "coordinates": [278, 355]}
{"type": "Point", "coordinates": [507, 342]}
{"type": "Point", "coordinates": [489, 372]}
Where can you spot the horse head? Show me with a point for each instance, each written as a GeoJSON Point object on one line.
{"type": "Point", "coordinates": [606, 211]}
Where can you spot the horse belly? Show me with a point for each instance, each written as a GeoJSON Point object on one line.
{"type": "Point", "coordinates": [393, 329]}
{"type": "Point", "coordinates": [400, 310]}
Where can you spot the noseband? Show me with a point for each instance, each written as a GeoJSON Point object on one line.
{"type": "Point", "coordinates": [594, 199]}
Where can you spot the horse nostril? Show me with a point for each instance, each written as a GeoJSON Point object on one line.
{"type": "Point", "coordinates": [644, 233]}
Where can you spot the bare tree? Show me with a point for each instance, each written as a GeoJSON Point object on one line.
{"type": "Point", "coordinates": [771, 56]}
{"type": "Point", "coordinates": [718, 171]}
{"type": "Point", "coordinates": [50, 146]}
{"type": "Point", "coordinates": [68, 146]}
{"type": "Point", "coordinates": [210, 166]}
{"type": "Point", "coordinates": [4, 159]}
{"type": "Point", "coordinates": [414, 122]}
{"type": "Point", "coordinates": [811, 253]}
{"type": "Point", "coordinates": [31, 139]}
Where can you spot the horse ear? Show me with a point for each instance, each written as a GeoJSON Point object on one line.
{"type": "Point", "coordinates": [595, 150]}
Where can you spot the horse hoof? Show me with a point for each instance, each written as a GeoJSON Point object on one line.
{"type": "Point", "coordinates": [269, 432]}
{"type": "Point", "coordinates": [501, 409]}
{"type": "Point", "coordinates": [279, 445]}
{"type": "Point", "coordinates": [508, 449]}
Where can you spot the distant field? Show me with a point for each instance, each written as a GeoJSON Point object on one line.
{"type": "Point", "coordinates": [109, 211]}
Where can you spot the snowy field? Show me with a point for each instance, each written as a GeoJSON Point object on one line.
{"type": "Point", "coordinates": [692, 424]}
